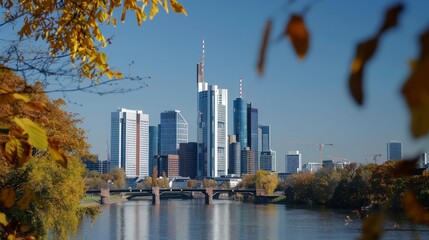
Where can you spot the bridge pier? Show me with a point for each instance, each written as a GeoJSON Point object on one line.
{"type": "Point", "coordinates": [104, 196]}
{"type": "Point", "coordinates": [155, 196]}
{"type": "Point", "coordinates": [208, 193]}
{"type": "Point", "coordinates": [260, 196]}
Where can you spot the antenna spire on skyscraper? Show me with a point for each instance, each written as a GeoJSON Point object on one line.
{"type": "Point", "coordinates": [202, 60]}
{"type": "Point", "coordinates": [241, 87]}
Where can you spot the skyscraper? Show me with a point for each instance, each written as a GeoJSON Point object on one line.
{"type": "Point", "coordinates": [234, 156]}
{"type": "Point", "coordinates": [153, 146]}
{"type": "Point", "coordinates": [394, 150]}
{"type": "Point", "coordinates": [267, 157]}
{"type": "Point", "coordinates": [265, 138]}
{"type": "Point", "coordinates": [252, 132]}
{"type": "Point", "coordinates": [247, 161]}
{"type": "Point", "coordinates": [188, 159]}
{"type": "Point", "coordinates": [212, 127]}
{"type": "Point", "coordinates": [130, 142]}
{"type": "Point", "coordinates": [173, 131]}
{"type": "Point", "coordinates": [240, 119]}
{"type": "Point", "coordinates": [293, 162]}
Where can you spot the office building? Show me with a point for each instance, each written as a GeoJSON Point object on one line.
{"type": "Point", "coordinates": [153, 146]}
{"type": "Point", "coordinates": [130, 142]}
{"type": "Point", "coordinates": [293, 162]}
{"type": "Point", "coordinates": [240, 119]}
{"type": "Point", "coordinates": [247, 161]}
{"type": "Point", "coordinates": [265, 137]}
{"type": "Point", "coordinates": [234, 156]}
{"type": "Point", "coordinates": [102, 167]}
{"type": "Point", "coordinates": [267, 160]}
{"type": "Point", "coordinates": [394, 150]}
{"type": "Point", "coordinates": [188, 159]}
{"type": "Point", "coordinates": [212, 127]}
{"type": "Point", "coordinates": [173, 131]}
{"type": "Point", "coordinates": [168, 164]}
{"type": "Point", "coordinates": [252, 132]}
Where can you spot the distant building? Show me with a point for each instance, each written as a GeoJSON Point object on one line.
{"type": "Point", "coordinates": [394, 150]}
{"type": "Point", "coordinates": [130, 142]}
{"type": "Point", "coordinates": [188, 159]}
{"type": "Point", "coordinates": [423, 161]}
{"type": "Point", "coordinates": [267, 160]}
{"type": "Point", "coordinates": [247, 161]}
{"type": "Point", "coordinates": [102, 167]}
{"type": "Point", "coordinates": [265, 138]}
{"type": "Point", "coordinates": [173, 131]}
{"type": "Point", "coordinates": [240, 122]}
{"type": "Point", "coordinates": [252, 132]}
{"type": "Point", "coordinates": [234, 156]}
{"type": "Point", "coordinates": [168, 164]}
{"type": "Point", "coordinates": [311, 167]}
{"type": "Point", "coordinates": [293, 162]}
{"type": "Point", "coordinates": [153, 146]}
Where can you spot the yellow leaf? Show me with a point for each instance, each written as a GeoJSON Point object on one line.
{"type": "Point", "coordinates": [16, 152]}
{"type": "Point", "coordinates": [298, 34]}
{"type": "Point", "coordinates": [414, 209]}
{"type": "Point", "coordinates": [3, 220]}
{"type": "Point", "coordinates": [36, 135]}
{"type": "Point", "coordinates": [153, 10]}
{"type": "Point", "coordinates": [7, 197]}
{"type": "Point", "coordinates": [263, 50]}
{"type": "Point", "coordinates": [416, 90]}
{"type": "Point", "coordinates": [177, 7]}
{"type": "Point", "coordinates": [57, 153]}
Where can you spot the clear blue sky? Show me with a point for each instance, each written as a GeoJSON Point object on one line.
{"type": "Point", "coordinates": [303, 101]}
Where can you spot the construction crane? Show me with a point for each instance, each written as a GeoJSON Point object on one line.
{"type": "Point", "coordinates": [374, 157]}
{"type": "Point", "coordinates": [321, 145]}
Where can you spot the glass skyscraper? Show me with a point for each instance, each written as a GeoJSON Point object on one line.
{"type": "Point", "coordinates": [394, 150]}
{"type": "Point", "coordinates": [293, 162]}
{"type": "Point", "coordinates": [252, 132]}
{"type": "Point", "coordinates": [130, 142]}
{"type": "Point", "coordinates": [240, 121]}
{"type": "Point", "coordinates": [212, 127]}
{"type": "Point", "coordinates": [153, 146]}
{"type": "Point", "coordinates": [173, 131]}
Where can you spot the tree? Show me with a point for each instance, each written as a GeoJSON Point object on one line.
{"type": "Point", "coordinates": [38, 193]}
{"type": "Point", "coordinates": [118, 175]}
{"type": "Point", "coordinates": [191, 183]}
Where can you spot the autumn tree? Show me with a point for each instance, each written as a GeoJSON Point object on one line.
{"type": "Point", "coordinates": [40, 187]}
{"type": "Point", "coordinates": [191, 183]}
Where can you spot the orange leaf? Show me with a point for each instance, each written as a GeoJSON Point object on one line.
{"type": "Point", "coordinates": [414, 209]}
{"type": "Point", "coordinates": [298, 34]}
{"type": "Point", "coordinates": [7, 197]}
{"type": "Point", "coordinates": [416, 90]}
{"type": "Point", "coordinates": [25, 200]}
{"type": "Point", "coordinates": [57, 153]}
{"type": "Point", "coordinates": [263, 50]}
{"type": "Point", "coordinates": [373, 227]}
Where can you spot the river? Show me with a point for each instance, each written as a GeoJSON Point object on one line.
{"type": "Point", "coordinates": [225, 219]}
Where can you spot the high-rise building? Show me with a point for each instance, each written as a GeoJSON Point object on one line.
{"type": "Point", "coordinates": [247, 161]}
{"type": "Point", "coordinates": [234, 156]}
{"type": "Point", "coordinates": [252, 132]}
{"type": "Point", "coordinates": [212, 127]}
{"type": "Point", "coordinates": [265, 138]}
{"type": "Point", "coordinates": [173, 131]}
{"type": "Point", "coordinates": [168, 164]}
{"type": "Point", "coordinates": [394, 150]}
{"type": "Point", "coordinates": [153, 146]}
{"type": "Point", "coordinates": [130, 142]}
{"type": "Point", "coordinates": [188, 159]}
{"type": "Point", "coordinates": [240, 119]}
{"type": "Point", "coordinates": [293, 162]}
{"type": "Point", "coordinates": [267, 160]}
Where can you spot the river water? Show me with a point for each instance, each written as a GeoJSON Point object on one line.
{"type": "Point", "coordinates": [225, 219]}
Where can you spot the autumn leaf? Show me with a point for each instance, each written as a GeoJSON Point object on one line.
{"type": "Point", "coordinates": [263, 50]}
{"type": "Point", "coordinates": [57, 153]}
{"type": "Point", "coordinates": [416, 90]}
{"type": "Point", "coordinates": [177, 7]}
{"type": "Point", "coordinates": [405, 167]}
{"type": "Point", "coordinates": [372, 227]}
{"type": "Point", "coordinates": [298, 35]}
{"type": "Point", "coordinates": [365, 50]}
{"type": "Point", "coordinates": [36, 135]}
{"type": "Point", "coordinates": [16, 152]}
{"type": "Point", "coordinates": [3, 220]}
{"type": "Point", "coordinates": [7, 197]}
{"type": "Point", "coordinates": [8, 96]}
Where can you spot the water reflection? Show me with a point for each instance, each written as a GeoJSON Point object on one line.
{"type": "Point", "coordinates": [192, 219]}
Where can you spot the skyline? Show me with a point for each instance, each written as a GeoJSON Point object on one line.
{"type": "Point", "coordinates": [303, 101]}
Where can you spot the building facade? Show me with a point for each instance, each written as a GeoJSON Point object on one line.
{"type": "Point", "coordinates": [234, 156]}
{"type": "Point", "coordinates": [173, 131]}
{"type": "Point", "coordinates": [240, 122]}
{"type": "Point", "coordinates": [247, 161]}
{"type": "Point", "coordinates": [212, 127]}
{"type": "Point", "coordinates": [188, 159]}
{"type": "Point", "coordinates": [253, 133]}
{"type": "Point", "coordinates": [153, 146]}
{"type": "Point", "coordinates": [394, 150]}
{"type": "Point", "coordinates": [168, 164]}
{"type": "Point", "coordinates": [130, 142]}
{"type": "Point", "coordinates": [293, 162]}
{"type": "Point", "coordinates": [267, 161]}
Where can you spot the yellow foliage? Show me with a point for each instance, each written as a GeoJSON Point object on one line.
{"type": "Point", "coordinates": [73, 27]}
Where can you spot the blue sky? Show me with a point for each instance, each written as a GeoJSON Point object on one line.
{"type": "Point", "coordinates": [303, 101]}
